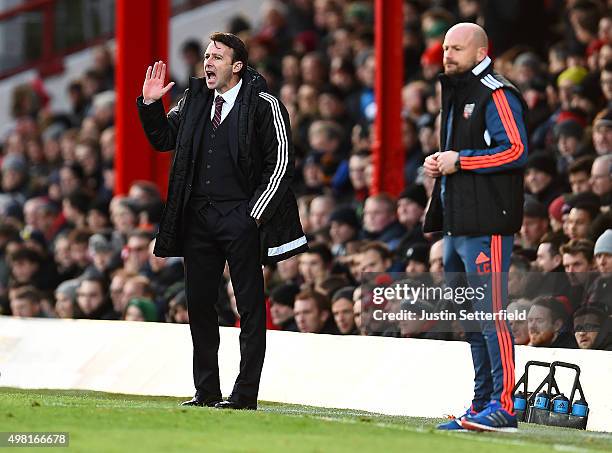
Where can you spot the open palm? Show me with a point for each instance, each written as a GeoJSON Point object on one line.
{"type": "Point", "coordinates": [153, 87]}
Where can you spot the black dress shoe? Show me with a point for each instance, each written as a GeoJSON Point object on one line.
{"type": "Point", "coordinates": [235, 405]}
{"type": "Point", "coordinates": [197, 400]}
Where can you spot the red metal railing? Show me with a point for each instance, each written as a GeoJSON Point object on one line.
{"type": "Point", "coordinates": [50, 60]}
{"type": "Point", "coordinates": [46, 60]}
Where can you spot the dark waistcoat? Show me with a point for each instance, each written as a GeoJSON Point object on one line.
{"type": "Point", "coordinates": [216, 175]}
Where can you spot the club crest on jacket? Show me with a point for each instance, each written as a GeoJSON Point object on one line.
{"type": "Point", "coordinates": [468, 110]}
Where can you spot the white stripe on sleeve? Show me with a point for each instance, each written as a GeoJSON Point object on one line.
{"type": "Point", "coordinates": [282, 157]}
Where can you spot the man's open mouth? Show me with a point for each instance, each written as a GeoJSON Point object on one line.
{"type": "Point", "coordinates": [210, 76]}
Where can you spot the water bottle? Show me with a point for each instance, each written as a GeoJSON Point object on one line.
{"type": "Point", "coordinates": [560, 404]}
{"type": "Point", "coordinates": [541, 401]}
{"type": "Point", "coordinates": [520, 401]}
{"type": "Point", "coordinates": [580, 408]}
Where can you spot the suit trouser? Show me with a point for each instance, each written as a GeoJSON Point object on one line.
{"type": "Point", "coordinates": [486, 260]}
{"type": "Point", "coordinates": [210, 239]}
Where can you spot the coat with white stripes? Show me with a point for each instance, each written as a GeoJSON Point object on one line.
{"type": "Point", "coordinates": [263, 156]}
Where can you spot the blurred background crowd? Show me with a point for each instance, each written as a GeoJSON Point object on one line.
{"type": "Point", "coordinates": [71, 248]}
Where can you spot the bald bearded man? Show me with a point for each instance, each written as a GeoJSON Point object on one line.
{"type": "Point", "coordinates": [478, 203]}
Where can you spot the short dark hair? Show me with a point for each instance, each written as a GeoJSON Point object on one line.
{"type": "Point", "coordinates": [193, 46]}
{"type": "Point", "coordinates": [321, 249]}
{"type": "Point", "coordinates": [76, 169]}
{"type": "Point", "coordinates": [9, 232]}
{"type": "Point", "coordinates": [593, 309]}
{"type": "Point", "coordinates": [519, 262]}
{"type": "Point", "coordinates": [239, 53]}
{"type": "Point", "coordinates": [100, 281]}
{"type": "Point", "coordinates": [553, 304]}
{"type": "Point", "coordinates": [555, 241]}
{"type": "Point", "coordinates": [24, 254]}
{"type": "Point", "coordinates": [28, 293]}
{"type": "Point", "coordinates": [590, 17]}
{"type": "Point", "coordinates": [582, 164]}
{"type": "Point", "coordinates": [332, 284]}
{"type": "Point", "coordinates": [590, 208]}
{"type": "Point", "coordinates": [321, 300]}
{"type": "Point", "coordinates": [343, 293]}
{"type": "Point", "coordinates": [379, 247]}
{"type": "Point", "coordinates": [79, 200]}
{"type": "Point", "coordinates": [386, 199]}
{"type": "Point", "coordinates": [79, 236]}
{"type": "Point", "coordinates": [140, 233]}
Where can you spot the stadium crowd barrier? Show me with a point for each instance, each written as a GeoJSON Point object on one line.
{"type": "Point", "coordinates": [392, 376]}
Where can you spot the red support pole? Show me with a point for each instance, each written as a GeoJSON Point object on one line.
{"type": "Point", "coordinates": [388, 154]}
{"type": "Point", "coordinates": [142, 39]}
{"type": "Point", "coordinates": [50, 63]}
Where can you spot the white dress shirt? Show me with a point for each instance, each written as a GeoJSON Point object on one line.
{"type": "Point", "coordinates": [229, 97]}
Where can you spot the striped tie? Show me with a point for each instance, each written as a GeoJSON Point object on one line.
{"type": "Point", "coordinates": [217, 118]}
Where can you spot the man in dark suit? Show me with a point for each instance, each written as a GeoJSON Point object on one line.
{"type": "Point", "coordinates": [228, 200]}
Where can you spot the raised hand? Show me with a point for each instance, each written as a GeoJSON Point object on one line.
{"type": "Point", "coordinates": [153, 87]}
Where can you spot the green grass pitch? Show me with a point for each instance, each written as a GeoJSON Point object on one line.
{"type": "Point", "coordinates": [102, 422]}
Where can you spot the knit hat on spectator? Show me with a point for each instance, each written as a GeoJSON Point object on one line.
{"type": "Point", "coordinates": [569, 128]}
{"type": "Point", "coordinates": [306, 40]}
{"type": "Point", "coordinates": [438, 28]}
{"type": "Point", "coordinates": [528, 59]}
{"type": "Point", "coordinates": [575, 114]}
{"type": "Point", "coordinates": [313, 158]}
{"type": "Point", "coordinates": [172, 291]}
{"type": "Point", "coordinates": [416, 193]}
{"type": "Point", "coordinates": [180, 299]}
{"type": "Point", "coordinates": [30, 234]}
{"type": "Point", "coordinates": [418, 253]}
{"type": "Point", "coordinates": [604, 121]}
{"type": "Point", "coordinates": [13, 210]}
{"type": "Point", "coordinates": [54, 131]}
{"type": "Point", "coordinates": [575, 74]}
{"type": "Point", "coordinates": [99, 244]}
{"type": "Point", "coordinates": [54, 177]}
{"type": "Point", "coordinates": [594, 46]}
{"type": "Point", "coordinates": [543, 162]}
{"type": "Point", "coordinates": [14, 162]}
{"type": "Point", "coordinates": [589, 88]}
{"type": "Point", "coordinates": [426, 120]}
{"type": "Point", "coordinates": [285, 294]}
{"type": "Point", "coordinates": [537, 83]}
{"type": "Point", "coordinates": [359, 11]}
{"type": "Point", "coordinates": [555, 209]}
{"type": "Point", "coordinates": [69, 288]}
{"type": "Point", "coordinates": [433, 55]}
{"type": "Point", "coordinates": [146, 307]}
{"type": "Point", "coordinates": [345, 215]}
{"type": "Point", "coordinates": [535, 209]}
{"type": "Point", "coordinates": [604, 243]}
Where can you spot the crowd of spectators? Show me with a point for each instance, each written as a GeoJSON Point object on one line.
{"type": "Point", "coordinates": [71, 248]}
